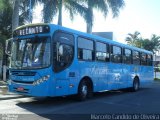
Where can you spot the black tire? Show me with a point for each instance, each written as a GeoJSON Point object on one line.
{"type": "Point", "coordinates": [135, 85]}
{"type": "Point", "coordinates": [84, 90]}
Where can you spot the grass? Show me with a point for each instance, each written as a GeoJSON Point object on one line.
{"type": "Point", "coordinates": [157, 79]}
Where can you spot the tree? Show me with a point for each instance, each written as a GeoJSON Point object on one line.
{"type": "Point", "coordinates": [82, 7]}
{"type": "Point", "coordinates": [15, 15]}
{"type": "Point", "coordinates": [21, 11]}
{"type": "Point", "coordinates": [49, 10]}
{"type": "Point", "coordinates": [53, 7]}
{"type": "Point", "coordinates": [89, 18]}
{"type": "Point", "coordinates": [152, 44]}
{"type": "Point", "coordinates": [134, 39]}
{"type": "Point", "coordinates": [1, 5]}
{"type": "Point", "coordinates": [25, 12]}
{"type": "Point", "coordinates": [5, 21]}
{"type": "Point", "coordinates": [9, 20]}
{"type": "Point", "coordinates": [103, 6]}
{"type": "Point", "coordinates": [6, 26]}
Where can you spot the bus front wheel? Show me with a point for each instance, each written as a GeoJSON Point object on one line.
{"type": "Point", "coordinates": [84, 90]}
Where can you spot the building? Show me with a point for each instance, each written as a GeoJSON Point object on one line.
{"type": "Point", "coordinates": [108, 35]}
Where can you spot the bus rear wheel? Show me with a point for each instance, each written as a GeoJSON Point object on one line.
{"type": "Point", "coordinates": [84, 91]}
{"type": "Point", "coordinates": [135, 85]}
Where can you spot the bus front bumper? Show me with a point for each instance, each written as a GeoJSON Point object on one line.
{"type": "Point", "coordinates": [40, 90]}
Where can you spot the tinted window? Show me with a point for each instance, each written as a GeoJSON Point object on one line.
{"type": "Point", "coordinates": [136, 57]}
{"type": "Point", "coordinates": [85, 43]}
{"type": "Point", "coordinates": [116, 55]}
{"type": "Point", "coordinates": [144, 59]}
{"type": "Point", "coordinates": [127, 57]}
{"type": "Point", "coordinates": [102, 51]}
{"type": "Point", "coordinates": [149, 60]}
{"type": "Point", "coordinates": [63, 50]}
{"type": "Point", "coordinates": [102, 47]}
{"type": "Point", "coordinates": [85, 49]}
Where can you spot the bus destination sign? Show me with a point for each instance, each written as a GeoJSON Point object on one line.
{"type": "Point", "coordinates": [29, 30]}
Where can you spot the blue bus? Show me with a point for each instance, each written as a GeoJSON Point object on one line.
{"type": "Point", "coordinates": [51, 60]}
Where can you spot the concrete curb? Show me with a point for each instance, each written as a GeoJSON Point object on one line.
{"type": "Point", "coordinates": [3, 89]}
{"type": "Point", "coordinates": [5, 95]}
{"type": "Point", "coordinates": [8, 96]}
{"type": "Point", "coordinates": [11, 96]}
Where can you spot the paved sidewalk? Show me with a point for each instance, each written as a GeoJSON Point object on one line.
{"type": "Point", "coordinates": [2, 83]}
{"type": "Point", "coordinates": [4, 94]}
{"type": "Point", "coordinates": [3, 87]}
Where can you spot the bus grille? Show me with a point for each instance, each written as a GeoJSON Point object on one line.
{"type": "Point", "coordinates": [23, 73]}
{"type": "Point", "coordinates": [23, 82]}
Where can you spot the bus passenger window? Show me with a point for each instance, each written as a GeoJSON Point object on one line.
{"type": "Point", "coordinates": [127, 57]}
{"type": "Point", "coordinates": [116, 54]}
{"type": "Point", "coordinates": [149, 60]}
{"type": "Point", "coordinates": [85, 49]}
{"type": "Point", "coordinates": [136, 57]}
{"type": "Point", "coordinates": [65, 53]}
{"type": "Point", "coordinates": [102, 51]}
{"type": "Point", "coordinates": [143, 59]}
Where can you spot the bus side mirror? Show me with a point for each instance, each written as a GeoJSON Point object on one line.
{"type": "Point", "coordinates": [8, 47]}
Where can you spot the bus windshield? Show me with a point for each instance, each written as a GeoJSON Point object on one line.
{"type": "Point", "coordinates": [30, 53]}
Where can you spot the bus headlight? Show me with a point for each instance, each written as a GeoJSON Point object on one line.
{"type": "Point", "coordinates": [41, 80]}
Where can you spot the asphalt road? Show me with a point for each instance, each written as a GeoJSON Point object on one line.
{"type": "Point", "coordinates": [143, 104]}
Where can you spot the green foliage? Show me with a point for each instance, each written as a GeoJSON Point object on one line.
{"type": "Point", "coordinates": [157, 79]}
{"type": "Point", "coordinates": [24, 11]}
{"type": "Point", "coordinates": [103, 6]}
{"type": "Point", "coordinates": [82, 7]}
{"type": "Point", "coordinates": [54, 7]}
{"type": "Point", "coordinates": [1, 5]}
{"type": "Point", "coordinates": [5, 24]}
{"type": "Point", "coordinates": [134, 39]}
{"type": "Point", "coordinates": [1, 52]}
{"type": "Point", "coordinates": [152, 44]}
{"type": "Point", "coordinates": [21, 12]}
{"type": "Point", "coordinates": [5, 19]}
{"type": "Point", "coordinates": [50, 9]}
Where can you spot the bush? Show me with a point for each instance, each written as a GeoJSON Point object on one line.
{"type": "Point", "coordinates": [157, 79]}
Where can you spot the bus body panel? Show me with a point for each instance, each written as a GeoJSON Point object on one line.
{"type": "Point", "coordinates": [23, 82]}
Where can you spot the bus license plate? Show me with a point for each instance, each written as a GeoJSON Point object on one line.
{"type": "Point", "coordinates": [20, 89]}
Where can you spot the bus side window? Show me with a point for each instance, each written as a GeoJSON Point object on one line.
{"type": "Point", "coordinates": [102, 52]}
{"type": "Point", "coordinates": [136, 58]}
{"type": "Point", "coordinates": [127, 56]}
{"type": "Point", "coordinates": [143, 59]}
{"type": "Point", "coordinates": [85, 49]}
{"type": "Point", "coordinates": [149, 60]}
{"type": "Point", "coordinates": [63, 48]}
{"type": "Point", "coordinates": [116, 54]}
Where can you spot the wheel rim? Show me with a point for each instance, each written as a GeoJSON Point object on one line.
{"type": "Point", "coordinates": [84, 90]}
{"type": "Point", "coordinates": [136, 85]}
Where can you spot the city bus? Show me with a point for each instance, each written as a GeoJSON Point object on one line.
{"type": "Point", "coordinates": [48, 60]}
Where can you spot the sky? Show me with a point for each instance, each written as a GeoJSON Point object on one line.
{"type": "Point", "coordinates": [137, 15]}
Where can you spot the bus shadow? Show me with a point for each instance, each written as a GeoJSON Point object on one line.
{"type": "Point", "coordinates": [50, 107]}
{"type": "Point", "coordinates": [113, 93]}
